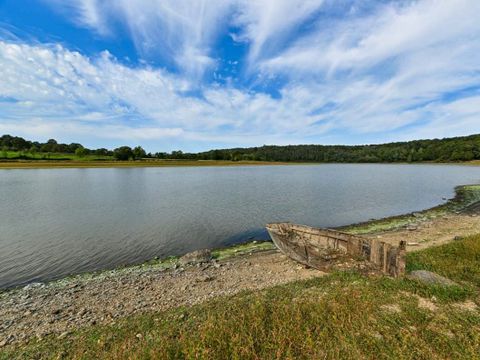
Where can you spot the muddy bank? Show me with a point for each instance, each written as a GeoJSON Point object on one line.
{"type": "Point", "coordinates": [60, 307]}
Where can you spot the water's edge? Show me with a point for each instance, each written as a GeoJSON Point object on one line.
{"type": "Point", "coordinates": [465, 198]}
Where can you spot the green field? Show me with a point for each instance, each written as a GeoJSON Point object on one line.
{"type": "Point", "coordinates": [340, 316]}
{"type": "Point", "coordinates": [23, 155]}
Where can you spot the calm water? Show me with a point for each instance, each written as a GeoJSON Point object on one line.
{"type": "Point", "coordinates": [55, 222]}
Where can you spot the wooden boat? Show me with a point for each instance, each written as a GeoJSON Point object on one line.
{"type": "Point", "coordinates": [317, 247]}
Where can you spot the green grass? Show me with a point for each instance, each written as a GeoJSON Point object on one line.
{"type": "Point", "coordinates": [459, 260]}
{"type": "Point", "coordinates": [22, 155]}
{"type": "Point", "coordinates": [340, 316]}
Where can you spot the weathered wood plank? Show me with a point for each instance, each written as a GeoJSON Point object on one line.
{"type": "Point", "coordinates": [314, 247]}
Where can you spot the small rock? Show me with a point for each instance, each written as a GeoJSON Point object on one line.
{"type": "Point", "coordinates": [195, 257]}
{"type": "Point", "coordinates": [33, 286]}
{"type": "Point", "coordinates": [431, 278]}
{"type": "Point", "coordinates": [413, 244]}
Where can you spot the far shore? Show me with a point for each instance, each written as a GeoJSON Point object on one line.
{"type": "Point", "coordinates": [54, 164]}
{"type": "Point", "coordinates": [48, 164]}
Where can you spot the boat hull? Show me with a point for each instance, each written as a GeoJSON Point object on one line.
{"type": "Point", "coordinates": [317, 247]}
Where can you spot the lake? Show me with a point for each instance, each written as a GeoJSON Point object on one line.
{"type": "Point", "coordinates": [56, 222]}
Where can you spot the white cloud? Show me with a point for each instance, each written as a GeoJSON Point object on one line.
{"type": "Point", "coordinates": [67, 90]}
{"type": "Point", "coordinates": [186, 30]}
{"type": "Point", "coordinates": [267, 23]}
{"type": "Point", "coordinates": [392, 31]}
{"type": "Point", "coordinates": [92, 14]}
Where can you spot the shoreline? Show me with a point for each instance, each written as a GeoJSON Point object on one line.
{"type": "Point", "coordinates": [466, 197]}
{"type": "Point", "coordinates": [79, 164]}
{"type": "Point", "coordinates": [69, 164]}
{"type": "Point", "coordinates": [60, 307]}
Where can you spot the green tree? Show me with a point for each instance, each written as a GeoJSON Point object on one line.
{"type": "Point", "coordinates": [80, 152]}
{"type": "Point", "coordinates": [123, 153]}
{"type": "Point", "coordinates": [139, 153]}
{"type": "Point", "coordinates": [33, 151]}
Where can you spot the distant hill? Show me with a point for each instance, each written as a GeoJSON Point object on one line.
{"type": "Point", "coordinates": [465, 148]}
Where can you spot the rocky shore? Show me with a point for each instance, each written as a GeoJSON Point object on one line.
{"type": "Point", "coordinates": [58, 308]}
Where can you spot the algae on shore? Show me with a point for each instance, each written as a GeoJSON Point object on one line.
{"type": "Point", "coordinates": [465, 196]}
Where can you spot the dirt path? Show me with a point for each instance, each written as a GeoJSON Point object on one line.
{"type": "Point", "coordinates": [434, 232]}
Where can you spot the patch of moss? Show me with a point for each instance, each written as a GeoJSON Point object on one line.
{"type": "Point", "coordinates": [242, 249]}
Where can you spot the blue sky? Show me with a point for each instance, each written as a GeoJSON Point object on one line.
{"type": "Point", "coordinates": [195, 75]}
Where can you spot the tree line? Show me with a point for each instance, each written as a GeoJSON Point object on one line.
{"type": "Point", "coordinates": [464, 148]}
{"type": "Point", "coordinates": [27, 149]}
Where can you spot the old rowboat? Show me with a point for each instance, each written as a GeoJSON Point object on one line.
{"type": "Point", "coordinates": [317, 247]}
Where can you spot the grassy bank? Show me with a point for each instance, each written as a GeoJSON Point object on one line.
{"type": "Point", "coordinates": [86, 163]}
{"type": "Point", "coordinates": [67, 160]}
{"type": "Point", "coordinates": [343, 315]}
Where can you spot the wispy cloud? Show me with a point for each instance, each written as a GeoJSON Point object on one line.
{"type": "Point", "coordinates": [181, 31]}
{"type": "Point", "coordinates": [267, 24]}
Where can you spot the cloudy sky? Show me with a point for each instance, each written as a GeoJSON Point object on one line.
{"type": "Point", "coordinates": [201, 74]}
